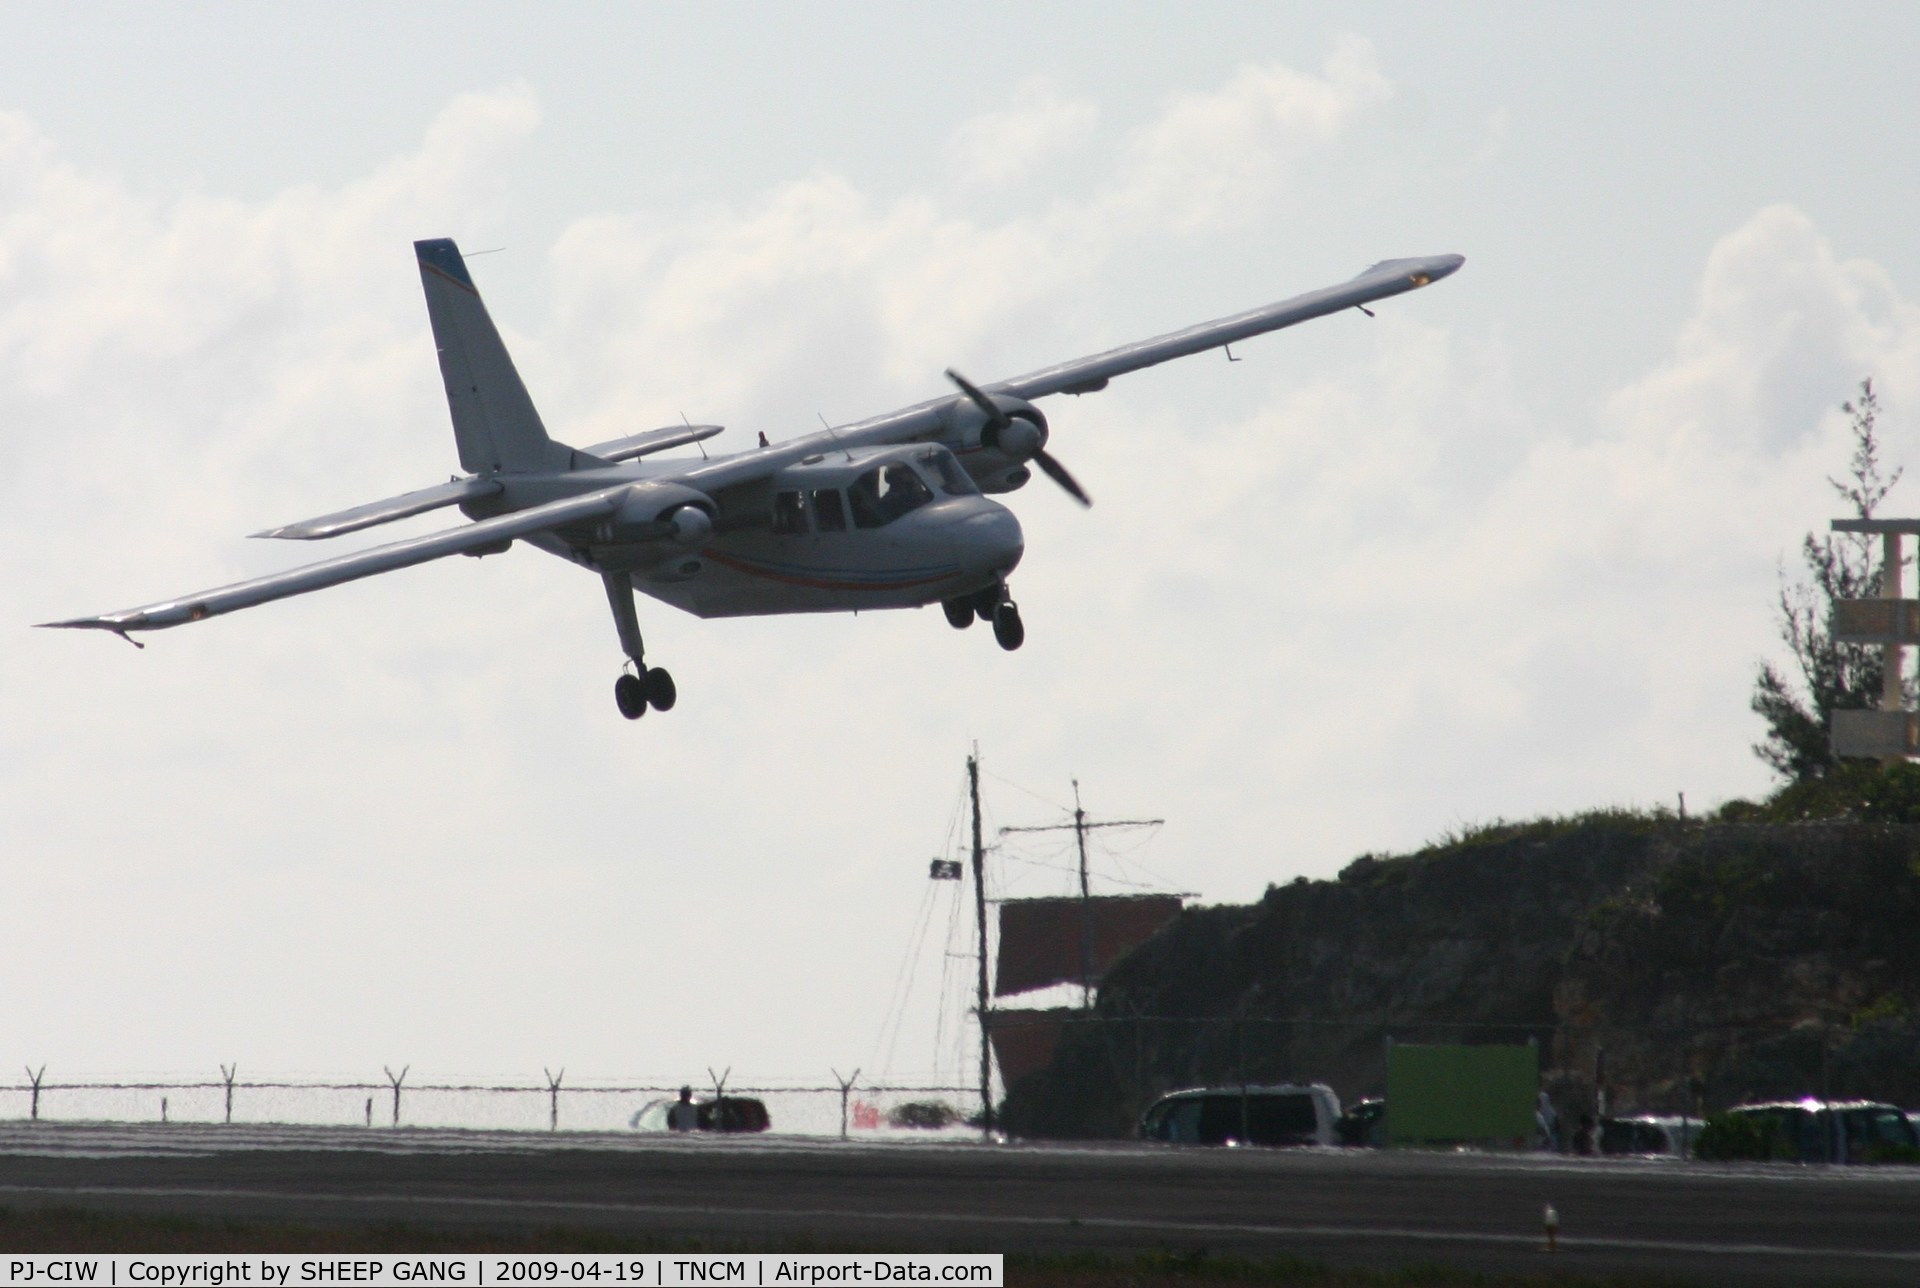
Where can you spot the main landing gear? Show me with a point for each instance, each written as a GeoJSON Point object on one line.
{"type": "Point", "coordinates": [990, 605]}
{"type": "Point", "coordinates": [641, 687]}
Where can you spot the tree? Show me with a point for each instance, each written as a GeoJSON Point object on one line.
{"type": "Point", "coordinates": [1831, 676]}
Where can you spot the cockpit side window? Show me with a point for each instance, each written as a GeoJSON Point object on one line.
{"type": "Point", "coordinates": [937, 463]}
{"type": "Point", "coordinates": [886, 492]}
{"type": "Point", "coordinates": [829, 511]}
{"type": "Point", "coordinates": [789, 513]}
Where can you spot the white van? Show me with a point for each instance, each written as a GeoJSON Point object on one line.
{"type": "Point", "coordinates": [1288, 1114]}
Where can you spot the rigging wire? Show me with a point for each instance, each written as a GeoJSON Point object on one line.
{"type": "Point", "coordinates": [903, 984]}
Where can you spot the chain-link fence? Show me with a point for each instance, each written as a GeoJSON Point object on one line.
{"type": "Point", "coordinates": [400, 1098]}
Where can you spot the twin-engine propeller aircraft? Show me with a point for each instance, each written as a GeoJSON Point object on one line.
{"type": "Point", "coordinates": [886, 512]}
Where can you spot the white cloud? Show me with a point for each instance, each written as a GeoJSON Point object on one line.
{"type": "Point", "coordinates": [1221, 156]}
{"type": "Point", "coordinates": [1004, 144]}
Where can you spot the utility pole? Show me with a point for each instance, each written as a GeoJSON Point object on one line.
{"type": "Point", "coordinates": [980, 916]}
{"type": "Point", "coordinates": [1081, 827]}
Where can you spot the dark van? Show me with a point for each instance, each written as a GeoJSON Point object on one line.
{"type": "Point", "coordinates": [1289, 1114]}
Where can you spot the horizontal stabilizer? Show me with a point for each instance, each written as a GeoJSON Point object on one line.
{"type": "Point", "coordinates": [485, 535]}
{"type": "Point", "coordinates": [373, 513]}
{"type": "Point", "coordinates": [653, 440]}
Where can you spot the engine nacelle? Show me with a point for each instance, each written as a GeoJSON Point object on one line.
{"type": "Point", "coordinates": [656, 511]}
{"type": "Point", "coordinates": [995, 458]}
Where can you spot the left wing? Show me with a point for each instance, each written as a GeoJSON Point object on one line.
{"type": "Point", "coordinates": [1086, 375]}
{"type": "Point", "coordinates": [474, 537]}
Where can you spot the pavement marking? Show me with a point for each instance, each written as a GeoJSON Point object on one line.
{"type": "Point", "coordinates": [960, 1218]}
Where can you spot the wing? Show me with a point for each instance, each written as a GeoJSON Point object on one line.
{"type": "Point", "coordinates": [1084, 375]}
{"type": "Point", "coordinates": [484, 535]}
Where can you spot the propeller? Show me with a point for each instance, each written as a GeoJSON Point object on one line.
{"type": "Point", "coordinates": [998, 422]}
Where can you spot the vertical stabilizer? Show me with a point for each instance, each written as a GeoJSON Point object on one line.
{"type": "Point", "coordinates": [493, 418]}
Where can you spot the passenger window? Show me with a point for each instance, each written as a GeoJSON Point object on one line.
{"type": "Point", "coordinates": [789, 513]}
{"type": "Point", "coordinates": [886, 492]}
{"type": "Point", "coordinates": [829, 511]}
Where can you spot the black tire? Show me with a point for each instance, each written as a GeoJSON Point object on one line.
{"type": "Point", "coordinates": [1007, 628]}
{"type": "Point", "coordinates": [959, 613]}
{"type": "Point", "coordinates": [660, 691]}
{"type": "Point", "coordinates": [988, 601]}
{"type": "Point", "coordinates": [630, 695]}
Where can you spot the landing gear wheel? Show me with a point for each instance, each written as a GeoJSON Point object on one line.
{"type": "Point", "coordinates": [631, 696]}
{"type": "Point", "coordinates": [1007, 628]}
{"type": "Point", "coordinates": [659, 689]}
{"type": "Point", "coordinates": [959, 613]}
{"type": "Point", "coordinates": [987, 602]}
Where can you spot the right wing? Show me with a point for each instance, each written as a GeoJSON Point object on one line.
{"type": "Point", "coordinates": [487, 533]}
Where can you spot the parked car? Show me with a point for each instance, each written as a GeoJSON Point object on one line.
{"type": "Point", "coordinates": [1288, 1114]}
{"type": "Point", "coordinates": [1363, 1125]}
{"type": "Point", "coordinates": [1826, 1131]}
{"type": "Point", "coordinates": [1660, 1136]}
{"type": "Point", "coordinates": [727, 1114]}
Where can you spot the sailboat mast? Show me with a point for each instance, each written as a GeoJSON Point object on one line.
{"type": "Point", "coordinates": [1086, 903]}
{"type": "Point", "coordinates": [980, 916]}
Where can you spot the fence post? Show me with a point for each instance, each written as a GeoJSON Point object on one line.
{"type": "Point", "coordinates": [396, 1088]}
{"type": "Point", "coordinates": [846, 1088]}
{"type": "Point", "coordinates": [226, 1075]}
{"type": "Point", "coordinates": [36, 1075]}
{"type": "Point", "coordinates": [553, 1096]}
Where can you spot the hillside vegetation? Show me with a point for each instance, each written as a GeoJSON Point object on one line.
{"type": "Point", "coordinates": [1768, 950]}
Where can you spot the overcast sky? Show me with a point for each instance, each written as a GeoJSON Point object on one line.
{"type": "Point", "coordinates": [1510, 548]}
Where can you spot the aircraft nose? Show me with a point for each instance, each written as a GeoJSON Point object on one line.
{"type": "Point", "coordinates": [1447, 265]}
{"type": "Point", "coordinates": [990, 540]}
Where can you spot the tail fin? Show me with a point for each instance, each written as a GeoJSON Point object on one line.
{"type": "Point", "coordinates": [494, 422]}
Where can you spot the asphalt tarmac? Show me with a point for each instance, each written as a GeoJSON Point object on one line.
{"type": "Point", "coordinates": [1712, 1224]}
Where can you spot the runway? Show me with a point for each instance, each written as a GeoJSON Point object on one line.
{"type": "Point", "coordinates": [1719, 1224]}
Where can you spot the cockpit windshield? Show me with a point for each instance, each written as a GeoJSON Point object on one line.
{"type": "Point", "coordinates": [884, 493]}
{"type": "Point", "coordinates": [937, 463]}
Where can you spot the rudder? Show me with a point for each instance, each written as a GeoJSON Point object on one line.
{"type": "Point", "coordinates": [494, 421]}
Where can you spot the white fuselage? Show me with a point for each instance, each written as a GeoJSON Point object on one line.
{"type": "Point", "coordinates": [896, 527]}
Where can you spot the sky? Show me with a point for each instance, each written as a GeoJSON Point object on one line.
{"type": "Point", "coordinates": [1510, 548]}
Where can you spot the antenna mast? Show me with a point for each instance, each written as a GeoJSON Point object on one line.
{"type": "Point", "coordinates": [980, 915]}
{"type": "Point", "coordinates": [1080, 827]}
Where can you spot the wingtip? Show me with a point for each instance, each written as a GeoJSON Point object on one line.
{"type": "Point", "coordinates": [90, 623]}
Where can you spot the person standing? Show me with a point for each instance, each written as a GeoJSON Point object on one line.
{"type": "Point", "coordinates": [684, 1116]}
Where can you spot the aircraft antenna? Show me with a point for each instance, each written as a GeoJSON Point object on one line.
{"type": "Point", "coordinates": [696, 442]}
{"type": "Point", "coordinates": [835, 437]}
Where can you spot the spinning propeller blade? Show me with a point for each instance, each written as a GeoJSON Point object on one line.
{"type": "Point", "coordinates": [1058, 473]}
{"type": "Point", "coordinates": [998, 420]}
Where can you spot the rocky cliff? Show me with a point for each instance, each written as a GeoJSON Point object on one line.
{"type": "Point", "coordinates": [1706, 960]}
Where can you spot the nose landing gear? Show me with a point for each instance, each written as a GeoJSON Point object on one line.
{"type": "Point", "coordinates": [641, 687]}
{"type": "Point", "coordinates": [990, 605]}
{"type": "Point", "coordinates": [1007, 629]}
